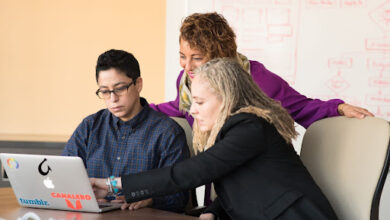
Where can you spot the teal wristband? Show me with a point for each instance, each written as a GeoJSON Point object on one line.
{"type": "Point", "coordinates": [114, 184]}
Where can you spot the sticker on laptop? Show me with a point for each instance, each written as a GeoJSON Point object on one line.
{"type": "Point", "coordinates": [12, 163]}
{"type": "Point", "coordinates": [69, 197]}
{"type": "Point", "coordinates": [39, 202]}
{"type": "Point", "coordinates": [44, 171]}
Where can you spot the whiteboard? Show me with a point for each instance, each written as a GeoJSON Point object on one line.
{"type": "Point", "coordinates": [323, 48]}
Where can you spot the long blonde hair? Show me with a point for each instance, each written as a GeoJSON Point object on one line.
{"type": "Point", "coordinates": [239, 93]}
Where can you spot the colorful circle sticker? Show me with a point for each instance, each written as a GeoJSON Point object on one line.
{"type": "Point", "coordinates": [12, 163]}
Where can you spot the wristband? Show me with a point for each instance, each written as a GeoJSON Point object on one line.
{"type": "Point", "coordinates": [340, 109]}
{"type": "Point", "coordinates": [109, 186]}
{"type": "Point", "coordinates": [114, 184]}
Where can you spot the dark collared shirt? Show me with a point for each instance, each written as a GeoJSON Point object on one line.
{"type": "Point", "coordinates": [111, 147]}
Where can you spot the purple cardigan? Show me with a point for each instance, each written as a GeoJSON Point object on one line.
{"type": "Point", "coordinates": [304, 110]}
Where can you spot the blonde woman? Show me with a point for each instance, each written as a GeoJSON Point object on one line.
{"type": "Point", "coordinates": [243, 139]}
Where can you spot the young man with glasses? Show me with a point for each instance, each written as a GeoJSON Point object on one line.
{"type": "Point", "coordinates": [128, 136]}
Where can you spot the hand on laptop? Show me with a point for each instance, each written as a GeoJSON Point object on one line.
{"type": "Point", "coordinates": [99, 187]}
{"type": "Point", "coordinates": [137, 205]}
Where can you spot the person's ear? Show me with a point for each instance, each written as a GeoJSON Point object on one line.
{"type": "Point", "coordinates": [138, 84]}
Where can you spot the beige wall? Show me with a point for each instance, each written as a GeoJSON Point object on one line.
{"type": "Point", "coordinates": [48, 52]}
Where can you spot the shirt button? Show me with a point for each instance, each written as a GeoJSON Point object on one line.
{"type": "Point", "coordinates": [118, 158]}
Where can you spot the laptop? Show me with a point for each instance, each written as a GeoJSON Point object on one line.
{"type": "Point", "coordinates": [52, 182]}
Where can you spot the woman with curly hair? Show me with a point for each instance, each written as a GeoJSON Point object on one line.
{"type": "Point", "coordinates": [205, 36]}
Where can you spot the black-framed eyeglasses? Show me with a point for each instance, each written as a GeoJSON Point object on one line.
{"type": "Point", "coordinates": [106, 93]}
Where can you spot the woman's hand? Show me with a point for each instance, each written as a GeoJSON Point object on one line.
{"type": "Point", "coordinates": [352, 111]}
{"type": "Point", "coordinates": [99, 187]}
{"type": "Point", "coordinates": [207, 216]}
{"type": "Point", "coordinates": [137, 205]}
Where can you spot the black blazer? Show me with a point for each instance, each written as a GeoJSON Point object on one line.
{"type": "Point", "coordinates": [256, 175]}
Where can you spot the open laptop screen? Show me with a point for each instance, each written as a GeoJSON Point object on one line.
{"type": "Point", "coordinates": [53, 182]}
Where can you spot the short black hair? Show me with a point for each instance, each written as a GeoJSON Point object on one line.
{"type": "Point", "coordinates": [121, 60]}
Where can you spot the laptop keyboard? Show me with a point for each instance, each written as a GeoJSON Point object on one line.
{"type": "Point", "coordinates": [104, 205]}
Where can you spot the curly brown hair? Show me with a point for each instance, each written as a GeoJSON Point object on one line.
{"type": "Point", "coordinates": [209, 33]}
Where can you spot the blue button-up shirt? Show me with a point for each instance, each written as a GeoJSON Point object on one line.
{"type": "Point", "coordinates": [112, 147]}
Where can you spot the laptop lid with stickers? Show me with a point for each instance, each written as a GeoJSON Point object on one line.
{"type": "Point", "coordinates": [51, 182]}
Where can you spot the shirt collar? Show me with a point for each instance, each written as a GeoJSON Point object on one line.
{"type": "Point", "coordinates": [137, 119]}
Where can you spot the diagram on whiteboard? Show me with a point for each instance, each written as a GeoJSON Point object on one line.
{"type": "Point", "coordinates": [265, 30]}
{"type": "Point", "coordinates": [323, 48]}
